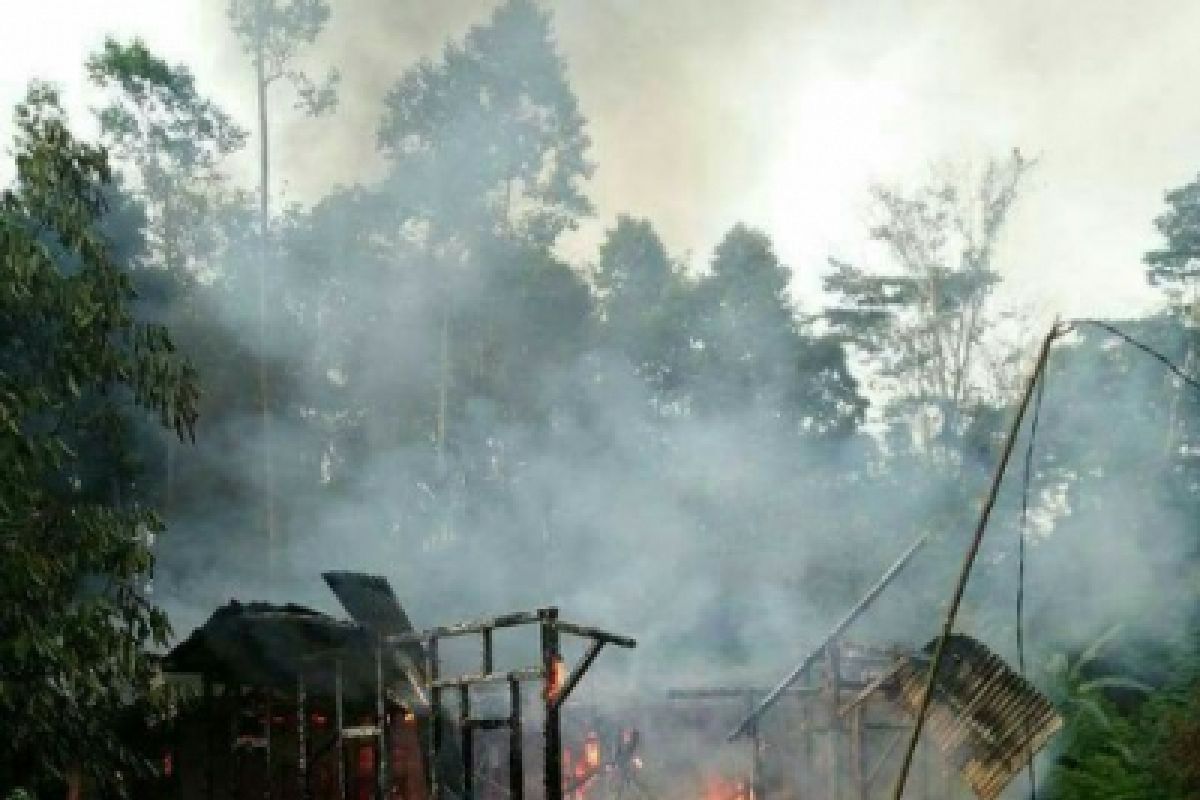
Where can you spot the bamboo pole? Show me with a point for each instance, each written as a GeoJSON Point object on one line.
{"type": "Point", "coordinates": [972, 552]}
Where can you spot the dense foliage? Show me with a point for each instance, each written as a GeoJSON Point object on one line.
{"type": "Point", "coordinates": [451, 396]}
{"type": "Point", "coordinates": [74, 365]}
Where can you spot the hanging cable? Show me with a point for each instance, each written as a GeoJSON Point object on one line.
{"type": "Point", "coordinates": [1145, 348]}
{"type": "Point", "coordinates": [1034, 382]}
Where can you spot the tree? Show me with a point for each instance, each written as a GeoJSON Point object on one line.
{"type": "Point", "coordinates": [272, 34]}
{"type": "Point", "coordinates": [74, 362]}
{"type": "Point", "coordinates": [487, 154]}
{"type": "Point", "coordinates": [751, 349]}
{"type": "Point", "coordinates": [489, 141]}
{"type": "Point", "coordinates": [926, 319]}
{"type": "Point", "coordinates": [170, 141]}
{"type": "Point", "coordinates": [1175, 267]}
{"type": "Point", "coordinates": [641, 294]}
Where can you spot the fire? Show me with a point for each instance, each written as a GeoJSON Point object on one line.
{"type": "Point", "coordinates": [717, 787]}
{"type": "Point", "coordinates": [556, 678]}
{"type": "Point", "coordinates": [591, 750]}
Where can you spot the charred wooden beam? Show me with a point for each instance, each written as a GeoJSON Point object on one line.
{"type": "Point", "coordinates": [596, 634]}
{"type": "Point", "coordinates": [466, 733]}
{"type": "Point", "coordinates": [523, 674]}
{"type": "Point", "coordinates": [381, 764]}
{"type": "Point", "coordinates": [735, 693]}
{"type": "Point", "coordinates": [552, 732]}
{"type": "Point", "coordinates": [572, 680]}
{"type": "Point", "coordinates": [475, 626]}
{"type": "Point", "coordinates": [516, 766]}
{"type": "Point", "coordinates": [340, 721]}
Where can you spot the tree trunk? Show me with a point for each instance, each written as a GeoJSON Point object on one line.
{"type": "Point", "coordinates": [268, 474]}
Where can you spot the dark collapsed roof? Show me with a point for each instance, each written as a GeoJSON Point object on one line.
{"type": "Point", "coordinates": [261, 644]}
{"type": "Point", "coordinates": [267, 645]}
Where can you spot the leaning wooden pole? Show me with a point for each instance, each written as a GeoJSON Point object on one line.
{"type": "Point", "coordinates": [969, 561]}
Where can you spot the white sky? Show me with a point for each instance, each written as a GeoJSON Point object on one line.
{"type": "Point", "coordinates": [779, 113]}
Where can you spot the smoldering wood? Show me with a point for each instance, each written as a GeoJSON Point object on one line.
{"type": "Point", "coordinates": [293, 660]}
{"type": "Point", "coordinates": [553, 696]}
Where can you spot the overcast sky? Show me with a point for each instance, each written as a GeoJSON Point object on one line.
{"type": "Point", "coordinates": [779, 113]}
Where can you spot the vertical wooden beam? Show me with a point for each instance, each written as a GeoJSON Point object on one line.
{"type": "Point", "coordinates": [435, 719]}
{"type": "Point", "coordinates": [301, 736]}
{"type": "Point", "coordinates": [552, 732]}
{"type": "Point", "coordinates": [833, 678]}
{"type": "Point", "coordinates": [756, 778]}
{"type": "Point", "coordinates": [208, 714]}
{"type": "Point", "coordinates": [381, 723]}
{"type": "Point", "coordinates": [467, 741]}
{"type": "Point", "coordinates": [857, 753]}
{"type": "Point", "coordinates": [487, 651]}
{"type": "Point", "coordinates": [269, 720]}
{"type": "Point", "coordinates": [516, 766]}
{"type": "Point", "coordinates": [339, 715]}
{"type": "Point", "coordinates": [234, 692]}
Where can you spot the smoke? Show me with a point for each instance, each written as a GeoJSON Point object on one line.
{"type": "Point", "coordinates": [726, 549]}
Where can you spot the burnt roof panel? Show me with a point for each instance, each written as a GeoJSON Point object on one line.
{"type": "Point", "coordinates": [987, 719]}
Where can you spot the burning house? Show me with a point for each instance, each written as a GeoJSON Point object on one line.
{"type": "Point", "coordinates": [287, 702]}
{"type": "Point", "coordinates": [837, 732]}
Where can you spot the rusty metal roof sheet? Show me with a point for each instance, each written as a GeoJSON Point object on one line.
{"type": "Point", "coordinates": [987, 719]}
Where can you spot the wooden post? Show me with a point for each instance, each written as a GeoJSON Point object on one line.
{"type": "Point", "coordinates": [516, 767]}
{"type": "Point", "coordinates": [756, 785]}
{"type": "Point", "coordinates": [269, 791]}
{"type": "Point", "coordinates": [339, 720]}
{"type": "Point", "coordinates": [553, 731]}
{"type": "Point", "coordinates": [435, 719]}
{"type": "Point", "coordinates": [466, 741]}
{"type": "Point", "coordinates": [207, 713]}
{"type": "Point", "coordinates": [381, 724]}
{"type": "Point", "coordinates": [833, 678]}
{"type": "Point", "coordinates": [856, 753]}
{"type": "Point", "coordinates": [235, 707]}
{"type": "Point", "coordinates": [301, 737]}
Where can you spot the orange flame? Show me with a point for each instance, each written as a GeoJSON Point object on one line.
{"type": "Point", "coordinates": [556, 678]}
{"type": "Point", "coordinates": [717, 787]}
{"type": "Point", "coordinates": [591, 750]}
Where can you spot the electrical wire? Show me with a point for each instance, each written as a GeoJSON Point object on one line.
{"type": "Point", "coordinates": [1056, 331]}
{"type": "Point", "coordinates": [1022, 535]}
{"type": "Point", "coordinates": [1029, 448]}
{"type": "Point", "coordinates": [1145, 348]}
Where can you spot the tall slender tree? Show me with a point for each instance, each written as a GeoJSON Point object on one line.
{"type": "Point", "coordinates": [272, 33]}
{"type": "Point", "coordinates": [925, 316]}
